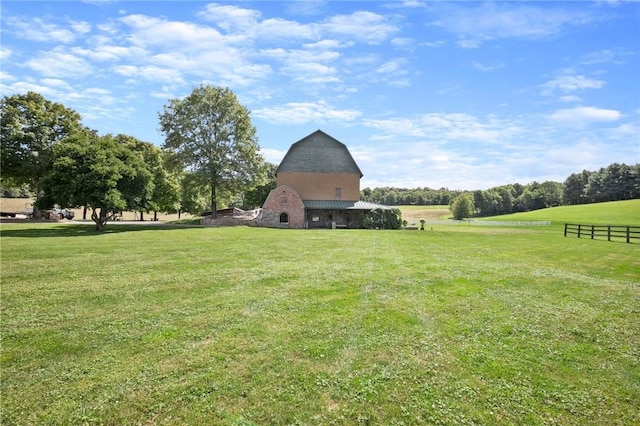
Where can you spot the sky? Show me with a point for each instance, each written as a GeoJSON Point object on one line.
{"type": "Point", "coordinates": [462, 95]}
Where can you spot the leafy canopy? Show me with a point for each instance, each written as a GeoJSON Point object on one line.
{"type": "Point", "coordinates": [462, 206]}
{"type": "Point", "coordinates": [30, 126]}
{"type": "Point", "coordinates": [382, 219]}
{"type": "Point", "coordinates": [102, 173]}
{"type": "Point", "coordinates": [212, 135]}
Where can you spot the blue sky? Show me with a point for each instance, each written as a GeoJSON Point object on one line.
{"type": "Point", "coordinates": [463, 95]}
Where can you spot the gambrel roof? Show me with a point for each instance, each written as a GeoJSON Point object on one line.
{"type": "Point", "coordinates": [318, 153]}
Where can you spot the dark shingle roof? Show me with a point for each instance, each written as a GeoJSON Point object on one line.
{"type": "Point", "coordinates": [318, 153]}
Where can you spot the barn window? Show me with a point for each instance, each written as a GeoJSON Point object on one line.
{"type": "Point", "coordinates": [284, 218]}
{"type": "Point", "coordinates": [338, 193]}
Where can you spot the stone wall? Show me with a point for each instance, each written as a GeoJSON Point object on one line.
{"type": "Point", "coordinates": [283, 199]}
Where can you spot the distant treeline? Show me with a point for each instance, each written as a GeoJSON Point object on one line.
{"type": "Point", "coordinates": [612, 183]}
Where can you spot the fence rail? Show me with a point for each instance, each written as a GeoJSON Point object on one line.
{"type": "Point", "coordinates": [630, 234]}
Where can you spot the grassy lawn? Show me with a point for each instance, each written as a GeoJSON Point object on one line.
{"type": "Point", "coordinates": [243, 326]}
{"type": "Point", "coordinates": [612, 213]}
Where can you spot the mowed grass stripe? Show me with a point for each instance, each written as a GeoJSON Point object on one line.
{"type": "Point", "coordinates": [261, 326]}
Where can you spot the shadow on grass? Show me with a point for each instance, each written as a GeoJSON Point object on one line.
{"type": "Point", "coordinates": [80, 230]}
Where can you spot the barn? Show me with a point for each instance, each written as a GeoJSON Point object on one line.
{"type": "Point", "coordinates": [317, 186]}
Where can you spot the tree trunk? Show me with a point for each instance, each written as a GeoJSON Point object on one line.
{"type": "Point", "coordinates": [141, 216]}
{"type": "Point", "coordinates": [214, 206]}
{"type": "Point", "coordinates": [155, 216]}
{"type": "Point", "coordinates": [99, 219]}
{"type": "Point", "coordinates": [84, 213]}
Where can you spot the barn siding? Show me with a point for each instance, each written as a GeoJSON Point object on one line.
{"type": "Point", "coordinates": [322, 186]}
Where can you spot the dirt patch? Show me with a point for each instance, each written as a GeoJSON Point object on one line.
{"type": "Point", "coordinates": [239, 218]}
{"type": "Point", "coordinates": [19, 205]}
{"type": "Point", "coordinates": [426, 214]}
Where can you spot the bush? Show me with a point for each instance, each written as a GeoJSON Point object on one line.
{"type": "Point", "coordinates": [383, 219]}
{"type": "Point", "coordinates": [15, 192]}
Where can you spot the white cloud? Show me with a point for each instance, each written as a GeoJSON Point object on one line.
{"type": "Point", "coordinates": [403, 42]}
{"type": "Point", "coordinates": [437, 43]}
{"type": "Point", "coordinates": [37, 29]}
{"type": "Point", "coordinates": [272, 29]}
{"type": "Point", "coordinates": [305, 112]}
{"type": "Point", "coordinates": [606, 56]}
{"type": "Point", "coordinates": [59, 63]}
{"type": "Point", "coordinates": [6, 77]}
{"type": "Point", "coordinates": [185, 36]}
{"type": "Point", "coordinates": [570, 98]}
{"type": "Point", "coordinates": [327, 44]}
{"type": "Point", "coordinates": [364, 26]}
{"type": "Point", "coordinates": [442, 128]}
{"type": "Point", "coordinates": [583, 115]}
{"type": "Point", "coordinates": [150, 73]}
{"type": "Point", "coordinates": [306, 8]}
{"type": "Point", "coordinates": [236, 20]}
{"type": "Point", "coordinates": [490, 21]}
{"type": "Point", "coordinates": [568, 81]}
{"type": "Point", "coordinates": [5, 53]}
{"type": "Point", "coordinates": [394, 67]}
{"type": "Point", "coordinates": [487, 67]}
{"type": "Point", "coordinates": [230, 18]}
{"type": "Point", "coordinates": [627, 130]}
{"type": "Point", "coordinates": [274, 156]}
{"type": "Point", "coordinates": [57, 84]}
{"type": "Point", "coordinates": [310, 66]}
{"type": "Point", "coordinates": [110, 52]}
{"type": "Point", "coordinates": [199, 51]}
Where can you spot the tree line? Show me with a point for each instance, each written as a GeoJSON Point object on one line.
{"type": "Point", "coordinates": [612, 183]}
{"type": "Point", "coordinates": [210, 157]}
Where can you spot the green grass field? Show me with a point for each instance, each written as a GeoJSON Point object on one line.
{"type": "Point", "coordinates": [612, 213]}
{"type": "Point", "coordinates": [252, 326]}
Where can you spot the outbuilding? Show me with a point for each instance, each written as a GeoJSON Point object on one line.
{"type": "Point", "coordinates": [317, 186]}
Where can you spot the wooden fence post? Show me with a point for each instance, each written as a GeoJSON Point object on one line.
{"type": "Point", "coordinates": [628, 234]}
{"type": "Point", "coordinates": [565, 229]}
{"type": "Point", "coordinates": [609, 233]}
{"type": "Point", "coordinates": [579, 229]}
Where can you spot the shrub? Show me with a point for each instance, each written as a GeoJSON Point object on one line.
{"type": "Point", "coordinates": [383, 219]}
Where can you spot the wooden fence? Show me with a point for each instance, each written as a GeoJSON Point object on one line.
{"type": "Point", "coordinates": [629, 234]}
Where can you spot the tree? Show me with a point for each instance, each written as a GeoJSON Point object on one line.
{"type": "Point", "coordinates": [552, 192]}
{"type": "Point", "coordinates": [383, 219]}
{"type": "Point", "coordinates": [462, 206]}
{"type": "Point", "coordinates": [30, 126]}
{"type": "Point", "coordinates": [166, 185]}
{"type": "Point", "coordinates": [213, 136]}
{"type": "Point", "coordinates": [256, 197]}
{"type": "Point", "coordinates": [574, 188]}
{"type": "Point", "coordinates": [193, 198]}
{"type": "Point", "coordinates": [101, 173]}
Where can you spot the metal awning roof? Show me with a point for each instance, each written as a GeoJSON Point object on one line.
{"type": "Point", "coordinates": [341, 205]}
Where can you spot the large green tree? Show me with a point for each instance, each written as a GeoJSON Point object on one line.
{"type": "Point", "coordinates": [255, 197]}
{"type": "Point", "coordinates": [462, 206]}
{"type": "Point", "coordinates": [30, 126]}
{"type": "Point", "coordinates": [211, 133]}
{"type": "Point", "coordinates": [166, 182]}
{"type": "Point", "coordinates": [100, 172]}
